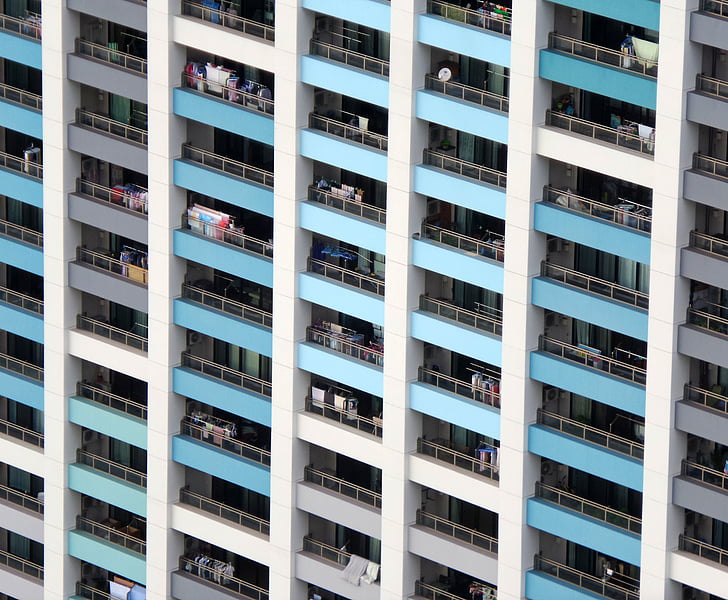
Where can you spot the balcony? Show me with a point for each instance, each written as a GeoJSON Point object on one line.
{"type": "Point", "coordinates": [708, 103]}
{"type": "Point", "coordinates": [343, 488]}
{"type": "Point", "coordinates": [348, 205]}
{"type": "Point", "coordinates": [701, 489]}
{"type": "Point", "coordinates": [111, 333]}
{"type": "Point", "coordinates": [427, 591]}
{"type": "Point", "coordinates": [20, 39]}
{"type": "Point", "coordinates": [703, 550]}
{"type": "Point", "coordinates": [704, 335]}
{"type": "Point", "coordinates": [21, 513]}
{"type": "Point", "coordinates": [228, 180]}
{"type": "Point", "coordinates": [21, 381]}
{"type": "Point", "coordinates": [21, 314]}
{"type": "Point", "coordinates": [372, 426]}
{"type": "Point", "coordinates": [193, 581]}
{"type": "Point", "coordinates": [703, 413]}
{"type": "Point", "coordinates": [705, 259]}
{"type": "Point", "coordinates": [21, 111]}
{"type": "Point", "coordinates": [21, 577]}
{"type": "Point", "coordinates": [217, 16]}
{"type": "Point", "coordinates": [223, 511]}
{"type": "Point", "coordinates": [22, 179]}
{"type": "Point", "coordinates": [21, 247]}
{"type": "Point", "coordinates": [372, 13]}
{"type": "Point", "coordinates": [132, 13]}
{"type": "Point", "coordinates": [709, 24]}
{"type": "Point", "coordinates": [118, 537]}
{"type": "Point", "coordinates": [707, 181]}
{"type": "Point", "coordinates": [441, 452]}
{"type": "Point", "coordinates": [16, 432]}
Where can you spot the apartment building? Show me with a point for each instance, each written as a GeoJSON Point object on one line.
{"type": "Point", "coordinates": [362, 300]}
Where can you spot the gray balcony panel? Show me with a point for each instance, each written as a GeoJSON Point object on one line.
{"type": "Point", "coordinates": [702, 421]}
{"type": "Point", "coordinates": [187, 587]}
{"type": "Point", "coordinates": [17, 585]}
{"type": "Point", "coordinates": [108, 147]}
{"type": "Point", "coordinates": [125, 12]}
{"type": "Point", "coordinates": [340, 509]}
{"type": "Point", "coordinates": [704, 345]}
{"type": "Point", "coordinates": [108, 217]}
{"type": "Point", "coordinates": [327, 575]}
{"type": "Point", "coordinates": [107, 285]}
{"type": "Point", "coordinates": [704, 266]}
{"type": "Point", "coordinates": [708, 29]}
{"type": "Point", "coordinates": [21, 520]}
{"type": "Point", "coordinates": [706, 189]}
{"type": "Point", "coordinates": [700, 497]}
{"type": "Point", "coordinates": [107, 77]}
{"type": "Point", "coordinates": [707, 110]}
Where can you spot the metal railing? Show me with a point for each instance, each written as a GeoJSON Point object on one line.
{"type": "Point", "coordinates": [593, 360]}
{"type": "Point", "coordinates": [30, 28]}
{"type": "Point", "coordinates": [708, 321]}
{"type": "Point", "coordinates": [456, 386]}
{"type": "Point", "coordinates": [21, 233]}
{"type": "Point", "coordinates": [21, 433]}
{"type": "Point", "coordinates": [344, 417]}
{"type": "Point", "coordinates": [350, 277]}
{"type": "Point", "coordinates": [226, 374]}
{"type": "Point", "coordinates": [464, 168]}
{"type": "Point", "coordinates": [228, 444]}
{"type": "Point", "coordinates": [705, 475]}
{"type": "Point", "coordinates": [711, 86]}
{"type": "Point", "coordinates": [348, 132]}
{"type": "Point", "coordinates": [606, 56]}
{"type": "Point", "coordinates": [111, 56]}
{"type": "Point", "coordinates": [716, 7]}
{"type": "Point", "coordinates": [590, 434]}
{"type": "Point", "coordinates": [709, 243]}
{"type": "Point", "coordinates": [21, 499]}
{"type": "Point", "coordinates": [703, 550]}
{"type": "Point", "coordinates": [112, 535]}
{"type": "Point", "coordinates": [589, 508]}
{"type": "Point", "coordinates": [20, 564]}
{"type": "Point", "coordinates": [14, 163]}
{"type": "Point", "coordinates": [115, 334]}
{"type": "Point", "coordinates": [110, 467]}
{"type": "Point", "coordinates": [116, 197]}
{"type": "Point", "coordinates": [221, 17]}
{"type": "Point", "coordinates": [350, 58]}
{"type": "Point", "coordinates": [8, 296]}
{"type": "Point", "coordinates": [609, 588]}
{"type": "Point", "coordinates": [457, 531]}
{"type": "Point", "coordinates": [86, 591]}
{"type": "Point", "coordinates": [343, 487]}
{"type": "Point", "coordinates": [489, 249]}
{"type": "Point", "coordinates": [706, 398]}
{"type": "Point", "coordinates": [457, 459]}
{"type": "Point", "coordinates": [466, 93]}
{"type": "Point", "coordinates": [227, 165]}
{"type": "Point", "coordinates": [325, 551]}
{"type": "Point", "coordinates": [21, 367]}
{"type": "Point", "coordinates": [337, 343]}
{"type": "Point", "coordinates": [229, 94]}
{"type": "Point", "coordinates": [18, 96]}
{"type": "Point", "coordinates": [238, 586]}
{"type": "Point", "coordinates": [449, 311]}
{"type": "Point", "coordinates": [231, 307]}
{"type": "Point", "coordinates": [432, 592]}
{"type": "Point", "coordinates": [224, 511]}
{"type": "Point", "coordinates": [637, 217]}
{"type": "Point", "coordinates": [113, 265]}
{"type": "Point", "coordinates": [228, 236]}
{"type": "Point", "coordinates": [499, 23]}
{"type": "Point", "coordinates": [710, 165]}
{"type": "Point", "coordinates": [595, 285]}
{"type": "Point", "coordinates": [601, 133]}
{"type": "Point", "coordinates": [347, 205]}
{"type": "Point", "coordinates": [129, 407]}
{"type": "Point", "coordinates": [108, 125]}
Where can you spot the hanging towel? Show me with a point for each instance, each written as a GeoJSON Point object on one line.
{"type": "Point", "coordinates": [117, 590]}
{"type": "Point", "coordinates": [355, 569]}
{"type": "Point", "coordinates": [371, 573]}
{"type": "Point", "coordinates": [647, 51]}
{"type": "Point", "coordinates": [217, 432]}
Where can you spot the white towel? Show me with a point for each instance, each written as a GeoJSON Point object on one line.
{"type": "Point", "coordinates": [355, 569]}
{"type": "Point", "coordinates": [372, 572]}
{"type": "Point", "coordinates": [649, 51]}
{"type": "Point", "coordinates": [646, 131]}
{"type": "Point", "coordinates": [118, 591]}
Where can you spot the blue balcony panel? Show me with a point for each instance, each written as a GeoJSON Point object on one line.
{"type": "Point", "coordinates": [21, 187]}
{"type": "Point", "coordinates": [336, 224]}
{"type": "Point", "coordinates": [94, 550]}
{"type": "Point", "coordinates": [593, 308]}
{"type": "Point", "coordinates": [590, 231]}
{"type": "Point", "coordinates": [227, 116]}
{"type": "Point", "coordinates": [372, 13]}
{"type": "Point", "coordinates": [601, 79]}
{"type": "Point", "coordinates": [344, 298]}
{"type": "Point", "coordinates": [338, 367]}
{"type": "Point", "coordinates": [458, 264]}
{"type": "Point", "coordinates": [227, 188]}
{"type": "Point", "coordinates": [464, 39]}
{"type": "Point", "coordinates": [463, 116]}
{"type": "Point", "coordinates": [88, 481]}
{"type": "Point", "coordinates": [222, 464]}
{"type": "Point", "coordinates": [21, 389]}
{"type": "Point", "coordinates": [21, 118]}
{"type": "Point", "coordinates": [342, 153]}
{"type": "Point", "coordinates": [475, 343]}
{"type": "Point", "coordinates": [645, 13]}
{"type": "Point", "coordinates": [585, 456]}
{"type": "Point", "coordinates": [223, 326]}
{"type": "Point", "coordinates": [227, 397]}
{"type": "Point", "coordinates": [540, 586]}
{"type": "Point", "coordinates": [462, 191]}
{"type": "Point", "coordinates": [22, 322]}
{"type": "Point", "coordinates": [210, 252]}
{"type": "Point", "coordinates": [114, 423]}
{"type": "Point", "coordinates": [586, 381]}
{"type": "Point", "coordinates": [21, 255]}
{"type": "Point", "coordinates": [455, 409]}
{"type": "Point", "coordinates": [342, 79]}
{"type": "Point", "coordinates": [23, 50]}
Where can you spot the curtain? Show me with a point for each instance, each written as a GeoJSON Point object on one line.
{"type": "Point", "coordinates": [626, 272]}
{"type": "Point", "coordinates": [120, 108]}
{"type": "Point", "coordinates": [466, 146]}
{"type": "Point", "coordinates": [16, 8]}
{"type": "Point", "coordinates": [581, 332]}
{"type": "Point", "coordinates": [581, 408]}
{"type": "Point", "coordinates": [375, 550]}
{"type": "Point", "coordinates": [19, 480]}
{"type": "Point", "coordinates": [19, 545]}
{"type": "Point", "coordinates": [120, 452]}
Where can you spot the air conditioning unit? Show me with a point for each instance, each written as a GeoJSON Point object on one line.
{"type": "Point", "coordinates": [89, 435]}
{"type": "Point", "coordinates": [193, 337]}
{"type": "Point", "coordinates": [552, 394]}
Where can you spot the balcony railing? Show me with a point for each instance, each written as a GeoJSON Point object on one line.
{"type": "Point", "coordinates": [601, 133]}
{"type": "Point", "coordinates": [366, 283]}
{"type": "Point", "coordinates": [220, 17]}
{"type": "Point", "coordinates": [464, 168]}
{"type": "Point", "coordinates": [30, 27]}
{"type": "Point", "coordinates": [599, 54]}
{"type": "Point", "coordinates": [716, 7]}
{"type": "Point", "coordinates": [618, 587]}
{"type": "Point", "coordinates": [124, 405]}
{"type": "Point", "coordinates": [592, 359]}
{"type": "Point", "coordinates": [709, 243]}
{"type": "Point", "coordinates": [457, 459]}
{"type": "Point", "coordinates": [588, 508]}
{"type": "Point", "coordinates": [26, 369]}
{"type": "Point", "coordinates": [21, 433]}
{"type": "Point", "coordinates": [227, 165]}
{"type": "Point", "coordinates": [628, 214]}
{"type": "Point", "coordinates": [20, 564]}
{"type": "Point", "coordinates": [449, 311]}
{"type": "Point", "coordinates": [706, 475]}
{"type": "Point", "coordinates": [712, 86]}
{"type": "Point", "coordinates": [231, 307]}
{"type": "Point", "coordinates": [708, 321]}
{"type": "Point", "coordinates": [716, 402]}
{"type": "Point", "coordinates": [456, 386]}
{"type": "Point", "coordinates": [493, 248]}
{"type": "Point", "coordinates": [247, 451]}
{"type": "Point", "coordinates": [500, 22]}
{"type": "Point", "coordinates": [21, 165]}
{"type": "Point", "coordinates": [115, 469]}
{"type": "Point", "coordinates": [594, 285]}
{"type": "Point", "coordinates": [460, 533]}
{"type": "Point", "coordinates": [342, 487]}
{"type": "Point", "coordinates": [703, 550]}
{"type": "Point", "coordinates": [108, 125]}
{"type": "Point", "coordinates": [348, 205]}
{"type": "Point", "coordinates": [590, 434]}
{"type": "Point", "coordinates": [232, 237]}
{"type": "Point", "coordinates": [466, 93]}
{"type": "Point", "coordinates": [325, 551]}
{"type": "Point", "coordinates": [339, 343]}
{"type": "Point", "coordinates": [228, 582]}
{"type": "Point", "coordinates": [13, 298]}
{"type": "Point", "coordinates": [18, 96]}
{"type": "Point", "coordinates": [115, 334]}
{"type": "Point", "coordinates": [112, 535]}
{"type": "Point", "coordinates": [111, 56]}
{"type": "Point", "coordinates": [229, 94]}
{"type": "Point", "coordinates": [350, 58]}
{"type": "Point", "coordinates": [21, 499]}
{"type": "Point", "coordinates": [23, 234]}
{"type": "Point", "coordinates": [710, 165]}
{"type": "Point", "coordinates": [348, 132]}
{"type": "Point", "coordinates": [91, 593]}
{"type": "Point", "coordinates": [119, 197]}
{"type": "Point", "coordinates": [226, 374]}
{"type": "Point", "coordinates": [99, 260]}
{"type": "Point", "coordinates": [365, 424]}
{"type": "Point", "coordinates": [224, 511]}
{"type": "Point", "coordinates": [433, 592]}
